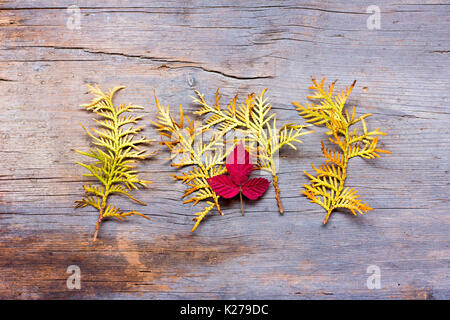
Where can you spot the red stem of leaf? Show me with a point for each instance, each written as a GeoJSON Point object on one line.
{"type": "Point", "coordinates": [242, 203]}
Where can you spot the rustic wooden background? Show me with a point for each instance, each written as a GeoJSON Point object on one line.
{"type": "Point", "coordinates": [174, 47]}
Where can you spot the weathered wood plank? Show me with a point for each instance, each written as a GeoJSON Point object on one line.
{"type": "Point", "coordinates": [174, 48]}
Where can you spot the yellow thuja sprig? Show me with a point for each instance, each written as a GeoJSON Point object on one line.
{"type": "Point", "coordinates": [252, 119]}
{"type": "Point", "coordinates": [184, 140]}
{"type": "Point", "coordinates": [116, 152]}
{"type": "Point", "coordinates": [327, 187]}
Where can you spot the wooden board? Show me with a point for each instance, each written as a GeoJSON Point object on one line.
{"type": "Point", "coordinates": [173, 48]}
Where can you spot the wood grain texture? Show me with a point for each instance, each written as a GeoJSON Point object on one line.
{"type": "Point", "coordinates": [173, 48]}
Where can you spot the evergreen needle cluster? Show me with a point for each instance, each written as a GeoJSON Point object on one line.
{"type": "Point", "coordinates": [116, 151]}
{"type": "Point", "coordinates": [327, 187]}
{"type": "Point", "coordinates": [185, 141]}
{"type": "Point", "coordinates": [253, 119]}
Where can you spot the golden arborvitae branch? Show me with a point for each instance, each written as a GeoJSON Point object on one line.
{"type": "Point", "coordinates": [116, 152]}
{"type": "Point", "coordinates": [184, 139]}
{"type": "Point", "coordinates": [327, 187]}
{"type": "Point", "coordinates": [253, 118]}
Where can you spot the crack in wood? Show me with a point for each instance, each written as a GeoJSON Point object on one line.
{"type": "Point", "coordinates": [195, 65]}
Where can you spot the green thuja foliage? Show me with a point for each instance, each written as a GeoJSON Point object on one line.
{"type": "Point", "coordinates": [116, 151]}
{"type": "Point", "coordinates": [327, 188]}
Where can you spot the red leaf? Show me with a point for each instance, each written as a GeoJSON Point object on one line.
{"type": "Point", "coordinates": [255, 188]}
{"type": "Point", "coordinates": [239, 165]}
{"type": "Point", "coordinates": [224, 186]}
